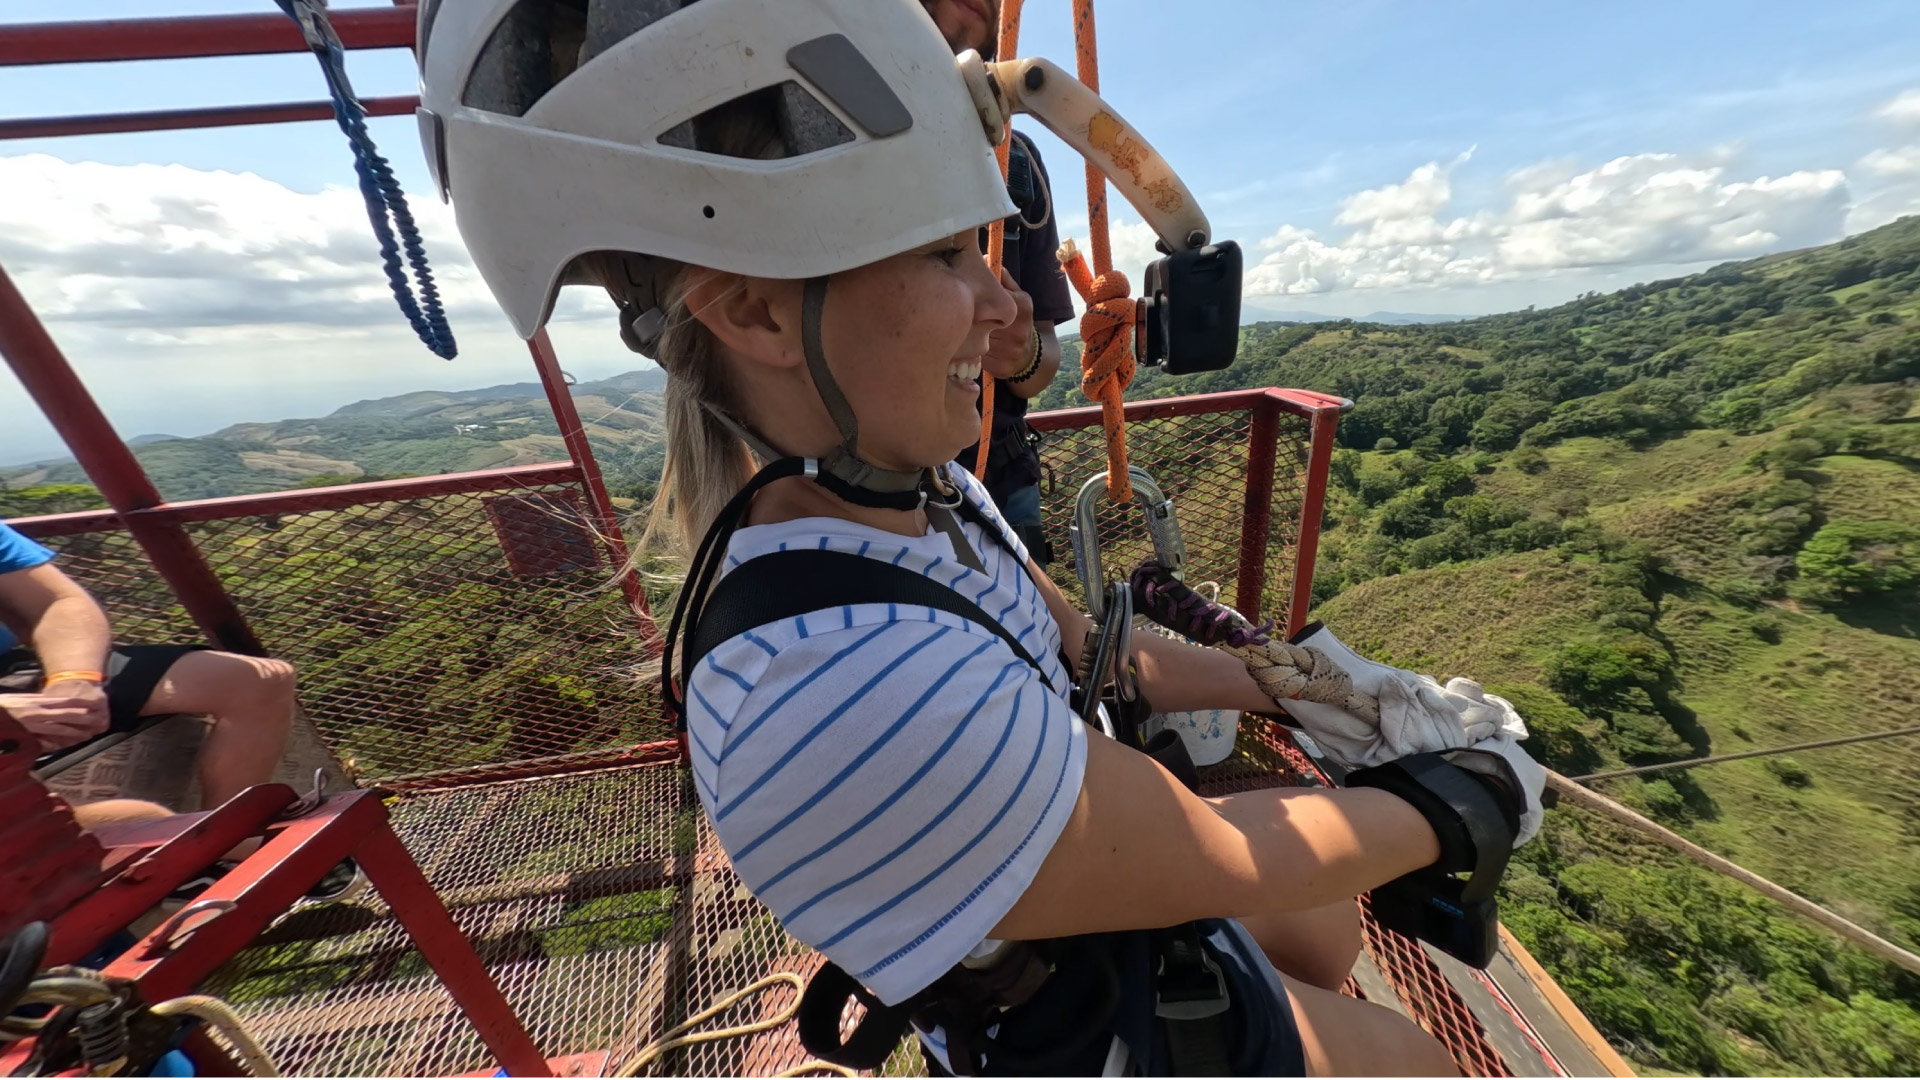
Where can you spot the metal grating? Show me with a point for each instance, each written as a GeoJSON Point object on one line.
{"type": "Point", "coordinates": [447, 633]}
{"type": "Point", "coordinates": [1201, 462]}
{"type": "Point", "coordinates": [603, 904]}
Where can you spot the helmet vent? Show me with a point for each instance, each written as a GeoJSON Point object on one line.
{"type": "Point", "coordinates": [540, 42]}
{"type": "Point", "coordinates": [780, 121]}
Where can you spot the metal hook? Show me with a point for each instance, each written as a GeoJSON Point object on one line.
{"type": "Point", "coordinates": [306, 804]}
{"type": "Point", "coordinates": [175, 930]}
{"type": "Point", "coordinates": [1083, 532]}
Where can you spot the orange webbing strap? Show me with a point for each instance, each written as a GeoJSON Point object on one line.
{"type": "Point", "coordinates": [1106, 329]}
{"type": "Point", "coordinates": [997, 232]}
{"type": "Point", "coordinates": [1107, 362]}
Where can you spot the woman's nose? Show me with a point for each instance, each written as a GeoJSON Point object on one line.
{"type": "Point", "coordinates": [994, 303]}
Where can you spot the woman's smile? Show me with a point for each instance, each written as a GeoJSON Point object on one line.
{"type": "Point", "coordinates": [963, 376]}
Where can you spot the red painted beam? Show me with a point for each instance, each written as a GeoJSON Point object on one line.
{"type": "Point", "coordinates": [606, 518]}
{"type": "Point", "coordinates": [306, 500]}
{"type": "Point", "coordinates": [63, 399]}
{"type": "Point", "coordinates": [178, 119]}
{"type": "Point", "coordinates": [1298, 402]}
{"type": "Point", "coordinates": [1313, 503]}
{"type": "Point", "coordinates": [183, 37]}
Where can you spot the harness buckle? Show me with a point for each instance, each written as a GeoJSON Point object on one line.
{"type": "Point", "coordinates": [1195, 990]}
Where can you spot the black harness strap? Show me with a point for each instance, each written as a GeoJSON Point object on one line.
{"type": "Point", "coordinates": [784, 584]}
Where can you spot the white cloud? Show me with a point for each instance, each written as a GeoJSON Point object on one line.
{"type": "Point", "coordinates": [1904, 109]}
{"type": "Point", "coordinates": [1899, 161]}
{"type": "Point", "coordinates": [193, 255]}
{"type": "Point", "coordinates": [1643, 209]}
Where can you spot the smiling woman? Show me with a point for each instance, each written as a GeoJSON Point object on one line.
{"type": "Point", "coordinates": [899, 775]}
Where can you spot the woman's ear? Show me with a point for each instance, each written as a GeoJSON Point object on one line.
{"type": "Point", "coordinates": [756, 319]}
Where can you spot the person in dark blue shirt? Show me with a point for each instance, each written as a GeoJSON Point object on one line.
{"type": "Point", "coordinates": [1041, 295]}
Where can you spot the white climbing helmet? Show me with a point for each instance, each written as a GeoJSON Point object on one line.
{"type": "Point", "coordinates": [889, 150]}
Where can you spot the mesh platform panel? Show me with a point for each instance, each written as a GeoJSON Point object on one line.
{"type": "Point", "coordinates": [1201, 462]}
{"type": "Point", "coordinates": [602, 903]}
{"type": "Point", "coordinates": [448, 633]}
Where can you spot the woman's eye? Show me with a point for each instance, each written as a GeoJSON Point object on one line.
{"type": "Point", "coordinates": [952, 254]}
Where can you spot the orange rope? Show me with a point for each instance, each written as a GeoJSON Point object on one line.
{"type": "Point", "coordinates": [997, 233]}
{"type": "Point", "coordinates": [1107, 362]}
{"type": "Point", "coordinates": [1086, 55]}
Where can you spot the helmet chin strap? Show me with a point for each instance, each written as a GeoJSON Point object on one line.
{"type": "Point", "coordinates": [844, 463]}
{"type": "Point", "coordinates": [842, 472]}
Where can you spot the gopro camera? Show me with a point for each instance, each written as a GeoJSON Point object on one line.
{"type": "Point", "coordinates": [1190, 313]}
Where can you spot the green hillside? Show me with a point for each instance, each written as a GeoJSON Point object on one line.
{"type": "Point", "coordinates": [1677, 520]}
{"type": "Point", "coordinates": [416, 434]}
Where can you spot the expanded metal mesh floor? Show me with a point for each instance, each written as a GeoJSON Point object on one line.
{"type": "Point", "coordinates": [606, 910]}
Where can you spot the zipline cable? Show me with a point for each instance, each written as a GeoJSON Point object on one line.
{"type": "Point", "coordinates": [1718, 758]}
{"type": "Point", "coordinates": [1588, 799]}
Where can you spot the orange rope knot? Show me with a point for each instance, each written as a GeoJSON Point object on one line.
{"type": "Point", "coordinates": [1107, 362]}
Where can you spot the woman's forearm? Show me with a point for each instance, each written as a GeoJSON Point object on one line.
{"type": "Point", "coordinates": [1176, 676]}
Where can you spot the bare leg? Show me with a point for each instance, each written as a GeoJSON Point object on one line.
{"type": "Point", "coordinates": [1344, 1036]}
{"type": "Point", "coordinates": [118, 812]}
{"type": "Point", "coordinates": [250, 701]}
{"type": "Point", "coordinates": [1317, 946]}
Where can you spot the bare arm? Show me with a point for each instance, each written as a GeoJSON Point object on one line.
{"type": "Point", "coordinates": [1042, 376]}
{"type": "Point", "coordinates": [1141, 850]}
{"type": "Point", "coordinates": [56, 616]}
{"type": "Point", "coordinates": [69, 632]}
{"type": "Point", "coordinates": [1174, 675]}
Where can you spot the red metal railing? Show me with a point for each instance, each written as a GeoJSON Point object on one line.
{"type": "Point", "coordinates": [191, 36]}
{"type": "Point", "coordinates": [1181, 441]}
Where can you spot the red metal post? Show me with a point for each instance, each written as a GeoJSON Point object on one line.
{"type": "Point", "coordinates": [1256, 516]}
{"type": "Point", "coordinates": [606, 519]}
{"type": "Point", "coordinates": [273, 878]}
{"type": "Point", "coordinates": [1312, 505]}
{"type": "Point", "coordinates": [179, 38]}
{"type": "Point", "coordinates": [418, 909]}
{"type": "Point", "coordinates": [177, 119]}
{"type": "Point", "coordinates": [197, 840]}
{"type": "Point", "coordinates": [67, 405]}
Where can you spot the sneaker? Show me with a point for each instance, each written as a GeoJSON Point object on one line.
{"type": "Point", "coordinates": [200, 882]}
{"type": "Point", "coordinates": [344, 882]}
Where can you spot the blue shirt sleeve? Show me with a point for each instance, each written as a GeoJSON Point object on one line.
{"type": "Point", "coordinates": [19, 553]}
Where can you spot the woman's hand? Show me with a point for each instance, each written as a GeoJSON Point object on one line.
{"type": "Point", "coordinates": [1010, 349]}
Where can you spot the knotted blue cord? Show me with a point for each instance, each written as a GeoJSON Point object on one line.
{"type": "Point", "coordinates": [386, 204]}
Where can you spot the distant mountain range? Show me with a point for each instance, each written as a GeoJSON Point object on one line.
{"type": "Point", "coordinates": [414, 434]}
{"type": "Point", "coordinates": [1391, 318]}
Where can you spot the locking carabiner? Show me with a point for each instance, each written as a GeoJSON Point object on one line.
{"type": "Point", "coordinates": [1083, 532]}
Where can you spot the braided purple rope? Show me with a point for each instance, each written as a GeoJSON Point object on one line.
{"type": "Point", "coordinates": [1160, 596]}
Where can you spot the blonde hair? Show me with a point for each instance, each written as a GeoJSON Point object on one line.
{"type": "Point", "coordinates": [706, 462]}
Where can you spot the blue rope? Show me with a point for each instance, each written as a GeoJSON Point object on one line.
{"type": "Point", "coordinates": [386, 204]}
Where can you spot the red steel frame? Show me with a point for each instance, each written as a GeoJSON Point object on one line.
{"type": "Point", "coordinates": [61, 396]}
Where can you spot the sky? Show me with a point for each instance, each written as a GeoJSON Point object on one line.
{"type": "Point", "coordinates": [1451, 159]}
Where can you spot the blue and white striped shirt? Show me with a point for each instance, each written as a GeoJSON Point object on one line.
{"type": "Point", "coordinates": [888, 778]}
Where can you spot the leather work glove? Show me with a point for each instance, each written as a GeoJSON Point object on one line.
{"type": "Point", "coordinates": [1514, 771]}
{"type": "Point", "coordinates": [1417, 714]}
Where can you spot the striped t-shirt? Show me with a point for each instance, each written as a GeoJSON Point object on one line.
{"type": "Point", "coordinates": [887, 778]}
